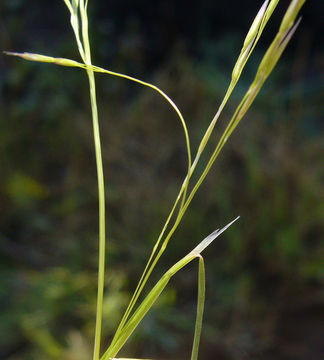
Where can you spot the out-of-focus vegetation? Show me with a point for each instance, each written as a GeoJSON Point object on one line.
{"type": "Point", "coordinates": [265, 275]}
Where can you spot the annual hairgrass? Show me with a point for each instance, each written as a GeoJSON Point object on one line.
{"type": "Point", "coordinates": [135, 311]}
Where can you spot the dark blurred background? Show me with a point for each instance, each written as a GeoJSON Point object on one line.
{"type": "Point", "coordinates": [265, 297]}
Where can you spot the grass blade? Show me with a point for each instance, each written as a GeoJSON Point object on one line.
{"type": "Point", "coordinates": [200, 308]}
{"type": "Point", "coordinates": [150, 299]}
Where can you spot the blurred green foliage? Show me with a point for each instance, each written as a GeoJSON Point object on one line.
{"type": "Point", "coordinates": [265, 275]}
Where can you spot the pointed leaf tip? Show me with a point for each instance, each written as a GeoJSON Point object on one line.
{"type": "Point", "coordinates": [210, 238]}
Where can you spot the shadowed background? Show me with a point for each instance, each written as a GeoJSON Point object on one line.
{"type": "Point", "coordinates": [265, 297]}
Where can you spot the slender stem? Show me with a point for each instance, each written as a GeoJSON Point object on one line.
{"type": "Point", "coordinates": [102, 236]}
{"type": "Point", "coordinates": [182, 193]}
{"type": "Point", "coordinates": [100, 176]}
{"type": "Point", "coordinates": [200, 308]}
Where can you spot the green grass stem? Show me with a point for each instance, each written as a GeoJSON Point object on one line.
{"type": "Point", "coordinates": [200, 308]}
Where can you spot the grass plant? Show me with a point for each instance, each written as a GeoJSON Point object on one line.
{"type": "Point", "coordinates": [136, 310]}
